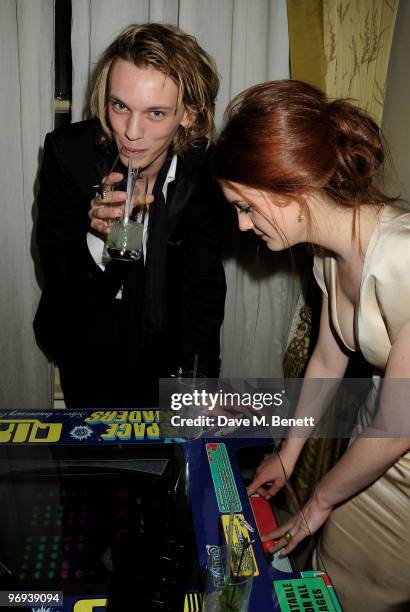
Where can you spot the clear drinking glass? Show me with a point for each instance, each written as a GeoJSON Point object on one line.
{"type": "Point", "coordinates": [125, 241]}
{"type": "Point", "coordinates": [189, 382]}
{"type": "Point", "coordinates": [228, 592]}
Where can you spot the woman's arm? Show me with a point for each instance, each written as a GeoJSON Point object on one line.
{"type": "Point", "coordinates": [375, 455]}
{"type": "Point", "coordinates": [328, 361]}
{"type": "Point", "coordinates": [366, 459]}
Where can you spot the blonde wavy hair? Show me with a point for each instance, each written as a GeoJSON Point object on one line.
{"type": "Point", "coordinates": [177, 55]}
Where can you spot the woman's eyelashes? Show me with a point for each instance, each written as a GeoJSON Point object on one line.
{"type": "Point", "coordinates": [243, 208]}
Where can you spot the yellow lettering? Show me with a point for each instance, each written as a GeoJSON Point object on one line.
{"type": "Point", "coordinates": [108, 417]}
{"type": "Point", "coordinates": [135, 416]}
{"type": "Point", "coordinates": [122, 416]}
{"type": "Point", "coordinates": [94, 417]}
{"type": "Point", "coordinates": [153, 432]}
{"type": "Point", "coordinates": [111, 433]}
{"type": "Point", "coordinates": [22, 431]}
{"type": "Point", "coordinates": [88, 605]}
{"type": "Point", "coordinates": [124, 431]}
{"type": "Point", "coordinates": [139, 431]}
{"type": "Point", "coordinates": [5, 434]}
{"type": "Point", "coordinates": [150, 416]}
{"type": "Point", "coordinates": [53, 435]}
{"type": "Point", "coordinates": [21, 428]}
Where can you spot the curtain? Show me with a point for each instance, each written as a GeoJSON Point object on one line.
{"type": "Point", "coordinates": [249, 41]}
{"type": "Point", "coordinates": [396, 121]}
{"type": "Point", "coordinates": [26, 107]}
{"type": "Point", "coordinates": [357, 40]}
{"type": "Point", "coordinates": [343, 47]}
{"type": "Point", "coordinates": [307, 52]}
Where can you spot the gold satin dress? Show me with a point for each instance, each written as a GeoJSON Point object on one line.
{"type": "Point", "coordinates": [365, 543]}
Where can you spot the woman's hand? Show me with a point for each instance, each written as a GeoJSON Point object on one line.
{"type": "Point", "coordinates": [274, 471]}
{"type": "Point", "coordinates": [304, 524]}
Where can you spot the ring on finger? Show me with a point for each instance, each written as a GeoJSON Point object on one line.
{"type": "Point", "coordinates": [287, 536]}
{"type": "Point", "coordinates": [103, 189]}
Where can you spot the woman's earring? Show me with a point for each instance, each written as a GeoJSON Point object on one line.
{"type": "Point", "coordinates": [301, 215]}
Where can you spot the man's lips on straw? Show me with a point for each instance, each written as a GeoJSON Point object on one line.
{"type": "Point", "coordinates": [131, 152]}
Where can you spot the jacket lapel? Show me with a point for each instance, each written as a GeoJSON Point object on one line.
{"type": "Point", "coordinates": [104, 158]}
{"type": "Point", "coordinates": [179, 194]}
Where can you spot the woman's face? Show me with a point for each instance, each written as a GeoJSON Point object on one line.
{"type": "Point", "coordinates": [276, 224]}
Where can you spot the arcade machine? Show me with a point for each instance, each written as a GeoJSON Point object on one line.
{"type": "Point", "coordinates": [107, 510]}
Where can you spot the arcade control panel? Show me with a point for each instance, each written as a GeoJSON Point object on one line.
{"type": "Point", "coordinates": [216, 491]}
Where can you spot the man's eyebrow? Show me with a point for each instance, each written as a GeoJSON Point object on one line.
{"type": "Point", "coordinates": [149, 109]}
{"type": "Point", "coordinates": [115, 99]}
{"type": "Point", "coordinates": [162, 108]}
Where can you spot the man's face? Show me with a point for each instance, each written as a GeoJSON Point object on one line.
{"type": "Point", "coordinates": [143, 114]}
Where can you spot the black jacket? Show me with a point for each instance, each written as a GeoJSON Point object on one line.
{"type": "Point", "coordinates": [174, 324]}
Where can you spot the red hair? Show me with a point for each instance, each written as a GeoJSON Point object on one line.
{"type": "Point", "coordinates": [287, 138]}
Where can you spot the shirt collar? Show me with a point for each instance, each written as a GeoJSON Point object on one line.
{"type": "Point", "coordinates": [172, 170]}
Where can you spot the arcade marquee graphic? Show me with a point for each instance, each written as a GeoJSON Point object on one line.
{"type": "Point", "coordinates": [78, 427]}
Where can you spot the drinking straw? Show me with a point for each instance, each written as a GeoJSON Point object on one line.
{"type": "Point", "coordinates": [132, 177]}
{"type": "Point", "coordinates": [245, 547]}
{"type": "Point", "coordinates": [242, 554]}
{"type": "Point", "coordinates": [230, 538]}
